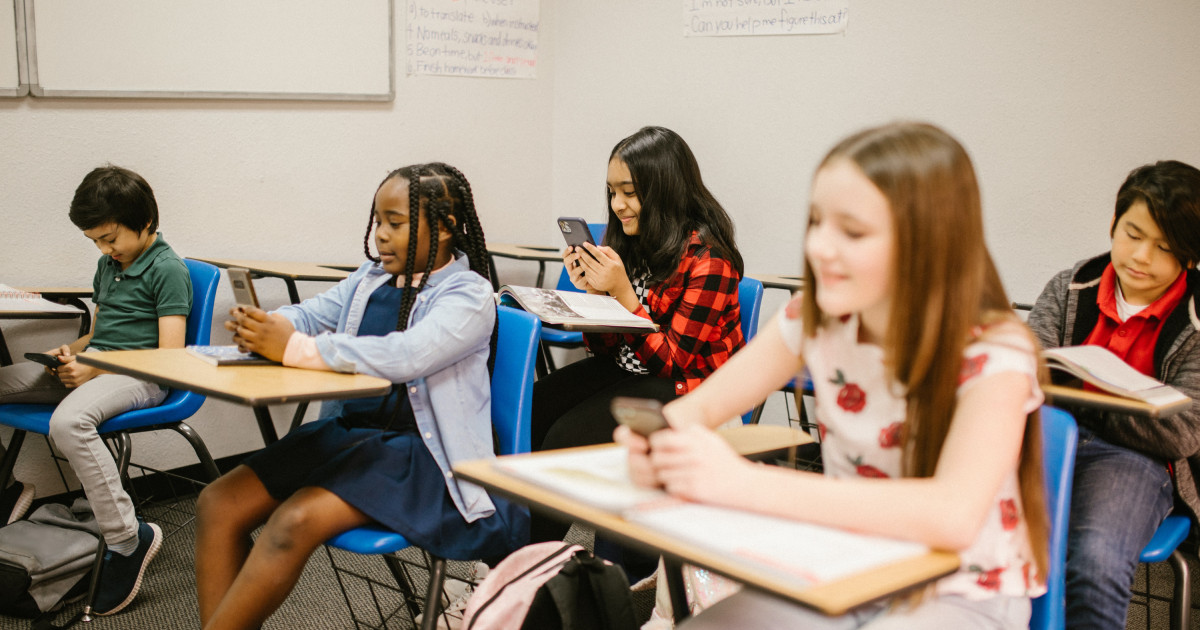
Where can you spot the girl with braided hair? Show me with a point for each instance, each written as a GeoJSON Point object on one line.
{"type": "Point", "coordinates": [419, 313]}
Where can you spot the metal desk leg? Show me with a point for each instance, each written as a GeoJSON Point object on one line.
{"type": "Point", "coordinates": [265, 425]}
{"type": "Point", "coordinates": [293, 294]}
{"type": "Point", "coordinates": [5, 357]}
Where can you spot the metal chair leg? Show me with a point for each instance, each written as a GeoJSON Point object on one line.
{"type": "Point", "coordinates": [10, 457]}
{"type": "Point", "coordinates": [1181, 603]}
{"type": "Point", "coordinates": [433, 594]}
{"type": "Point", "coordinates": [200, 448]}
{"type": "Point", "coordinates": [101, 548]}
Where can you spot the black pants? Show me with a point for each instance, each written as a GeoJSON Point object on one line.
{"type": "Point", "coordinates": [571, 408]}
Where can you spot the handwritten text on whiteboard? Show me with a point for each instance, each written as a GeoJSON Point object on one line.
{"type": "Point", "coordinates": [475, 38]}
{"type": "Point", "coordinates": [713, 18]}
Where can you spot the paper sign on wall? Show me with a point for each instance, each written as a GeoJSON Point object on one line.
{"type": "Point", "coordinates": [716, 18]}
{"type": "Point", "coordinates": [474, 38]}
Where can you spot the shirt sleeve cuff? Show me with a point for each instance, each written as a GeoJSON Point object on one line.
{"type": "Point", "coordinates": [302, 352]}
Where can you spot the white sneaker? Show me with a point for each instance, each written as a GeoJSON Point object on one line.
{"type": "Point", "coordinates": [455, 594]}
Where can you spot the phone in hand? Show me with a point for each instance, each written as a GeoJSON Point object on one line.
{"type": "Point", "coordinates": [48, 360]}
{"type": "Point", "coordinates": [575, 230]}
{"type": "Point", "coordinates": [643, 415]}
{"type": "Point", "coordinates": [243, 288]}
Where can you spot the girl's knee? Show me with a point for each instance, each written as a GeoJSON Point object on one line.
{"type": "Point", "coordinates": [291, 526]}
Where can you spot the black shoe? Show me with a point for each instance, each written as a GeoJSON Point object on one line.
{"type": "Point", "coordinates": [15, 500]}
{"type": "Point", "coordinates": [121, 576]}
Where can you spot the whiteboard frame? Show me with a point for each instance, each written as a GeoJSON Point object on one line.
{"type": "Point", "coordinates": [22, 88]}
{"type": "Point", "coordinates": [27, 50]}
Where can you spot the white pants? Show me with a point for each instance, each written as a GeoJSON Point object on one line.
{"type": "Point", "coordinates": [73, 429]}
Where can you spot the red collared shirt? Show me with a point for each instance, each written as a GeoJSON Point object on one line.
{"type": "Point", "coordinates": [698, 316]}
{"type": "Point", "coordinates": [1133, 340]}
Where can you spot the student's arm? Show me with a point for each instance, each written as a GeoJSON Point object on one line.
{"type": "Point", "coordinates": [944, 511]}
{"type": "Point", "coordinates": [172, 331]}
{"type": "Point", "coordinates": [1173, 438]}
{"type": "Point", "coordinates": [1046, 319]}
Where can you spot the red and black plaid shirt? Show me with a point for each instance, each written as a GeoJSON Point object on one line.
{"type": "Point", "coordinates": [699, 321]}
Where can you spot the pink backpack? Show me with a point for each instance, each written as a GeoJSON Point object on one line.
{"type": "Point", "coordinates": [563, 583]}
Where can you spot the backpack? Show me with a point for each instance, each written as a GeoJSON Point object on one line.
{"type": "Point", "coordinates": [44, 559]}
{"type": "Point", "coordinates": [552, 586]}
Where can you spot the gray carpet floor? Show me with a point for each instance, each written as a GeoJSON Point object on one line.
{"type": "Point", "coordinates": [168, 597]}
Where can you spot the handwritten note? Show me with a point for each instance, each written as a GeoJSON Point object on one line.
{"type": "Point", "coordinates": [474, 38]}
{"type": "Point", "coordinates": [716, 18]}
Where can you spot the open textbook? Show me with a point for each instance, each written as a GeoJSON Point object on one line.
{"type": "Point", "coordinates": [800, 554]}
{"type": "Point", "coordinates": [14, 300]}
{"type": "Point", "coordinates": [575, 311]}
{"type": "Point", "coordinates": [1106, 371]}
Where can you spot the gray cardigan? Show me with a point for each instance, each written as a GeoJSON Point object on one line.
{"type": "Point", "coordinates": [1065, 314]}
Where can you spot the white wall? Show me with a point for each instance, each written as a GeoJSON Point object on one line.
{"type": "Point", "coordinates": [1056, 104]}
{"type": "Point", "coordinates": [267, 180]}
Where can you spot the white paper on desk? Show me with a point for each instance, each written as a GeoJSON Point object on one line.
{"type": "Point", "coordinates": [791, 550]}
{"type": "Point", "coordinates": [598, 477]}
{"type": "Point", "coordinates": [13, 300]}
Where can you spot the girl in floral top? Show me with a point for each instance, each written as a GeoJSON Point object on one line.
{"type": "Point", "coordinates": [926, 387]}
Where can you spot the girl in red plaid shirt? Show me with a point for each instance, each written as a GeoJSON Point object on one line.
{"type": "Point", "coordinates": [669, 256]}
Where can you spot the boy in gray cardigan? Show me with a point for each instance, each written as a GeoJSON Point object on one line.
{"type": "Point", "coordinates": [1140, 301]}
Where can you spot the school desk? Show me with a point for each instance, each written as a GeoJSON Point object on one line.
{"type": "Point", "coordinates": [255, 385]}
{"type": "Point", "coordinates": [772, 281]}
{"type": "Point", "coordinates": [289, 272]}
{"type": "Point", "coordinates": [541, 255]}
{"type": "Point", "coordinates": [23, 307]}
{"type": "Point", "coordinates": [832, 598]}
{"type": "Point", "coordinates": [1078, 397]}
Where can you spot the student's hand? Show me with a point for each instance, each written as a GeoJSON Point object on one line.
{"type": "Point", "coordinates": [641, 472]}
{"type": "Point", "coordinates": [73, 373]}
{"type": "Point", "coordinates": [696, 464]}
{"type": "Point", "coordinates": [259, 331]}
{"type": "Point", "coordinates": [795, 306]}
{"type": "Point", "coordinates": [605, 272]}
{"type": "Point", "coordinates": [570, 258]}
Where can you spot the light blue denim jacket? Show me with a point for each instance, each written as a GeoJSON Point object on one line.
{"type": "Point", "coordinates": [442, 356]}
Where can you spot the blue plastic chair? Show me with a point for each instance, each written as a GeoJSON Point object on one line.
{"type": "Point", "coordinates": [750, 292]}
{"type": "Point", "coordinates": [553, 337]}
{"type": "Point", "coordinates": [177, 407]}
{"type": "Point", "coordinates": [1164, 546]}
{"type": "Point", "coordinates": [1060, 437]}
{"type": "Point", "coordinates": [512, 397]}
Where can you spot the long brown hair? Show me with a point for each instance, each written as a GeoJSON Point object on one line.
{"type": "Point", "coordinates": [944, 286]}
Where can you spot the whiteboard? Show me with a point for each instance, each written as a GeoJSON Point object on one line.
{"type": "Point", "coordinates": [249, 49]}
{"type": "Point", "coordinates": [12, 49]}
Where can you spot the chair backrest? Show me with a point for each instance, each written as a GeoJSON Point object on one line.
{"type": "Point", "coordinates": [512, 378]}
{"type": "Point", "coordinates": [564, 280]}
{"type": "Point", "coordinates": [1059, 440]}
{"type": "Point", "coordinates": [180, 404]}
{"type": "Point", "coordinates": [750, 292]}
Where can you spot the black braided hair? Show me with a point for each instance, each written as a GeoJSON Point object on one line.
{"type": "Point", "coordinates": [441, 191]}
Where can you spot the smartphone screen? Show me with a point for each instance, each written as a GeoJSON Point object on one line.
{"type": "Point", "coordinates": [643, 415]}
{"type": "Point", "coordinates": [243, 288]}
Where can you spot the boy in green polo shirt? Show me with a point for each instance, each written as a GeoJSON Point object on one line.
{"type": "Point", "coordinates": [143, 293]}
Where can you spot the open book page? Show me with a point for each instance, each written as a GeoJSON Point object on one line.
{"type": "Point", "coordinates": [789, 549]}
{"type": "Point", "coordinates": [15, 301]}
{"type": "Point", "coordinates": [1105, 370]}
{"type": "Point", "coordinates": [574, 310]}
{"type": "Point", "coordinates": [596, 476]}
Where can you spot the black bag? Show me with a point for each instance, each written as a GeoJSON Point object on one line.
{"type": "Point", "coordinates": [552, 586]}
{"type": "Point", "coordinates": [587, 594]}
{"type": "Point", "coordinates": [44, 560]}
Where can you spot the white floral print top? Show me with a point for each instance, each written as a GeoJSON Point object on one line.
{"type": "Point", "coordinates": [860, 413]}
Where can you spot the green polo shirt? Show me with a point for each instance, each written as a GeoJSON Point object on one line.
{"type": "Point", "coordinates": [130, 301]}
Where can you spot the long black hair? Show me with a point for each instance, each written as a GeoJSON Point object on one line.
{"type": "Point", "coordinates": [441, 191]}
{"type": "Point", "coordinates": [675, 202]}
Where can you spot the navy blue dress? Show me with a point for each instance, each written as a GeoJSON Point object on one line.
{"type": "Point", "coordinates": [372, 457]}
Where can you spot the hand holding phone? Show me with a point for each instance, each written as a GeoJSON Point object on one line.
{"type": "Point", "coordinates": [48, 360]}
{"type": "Point", "coordinates": [643, 415]}
{"type": "Point", "coordinates": [243, 288]}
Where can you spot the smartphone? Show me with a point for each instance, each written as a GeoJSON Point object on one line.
{"type": "Point", "coordinates": [243, 288]}
{"type": "Point", "coordinates": [48, 360]}
{"type": "Point", "coordinates": [576, 231]}
{"type": "Point", "coordinates": [643, 415]}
